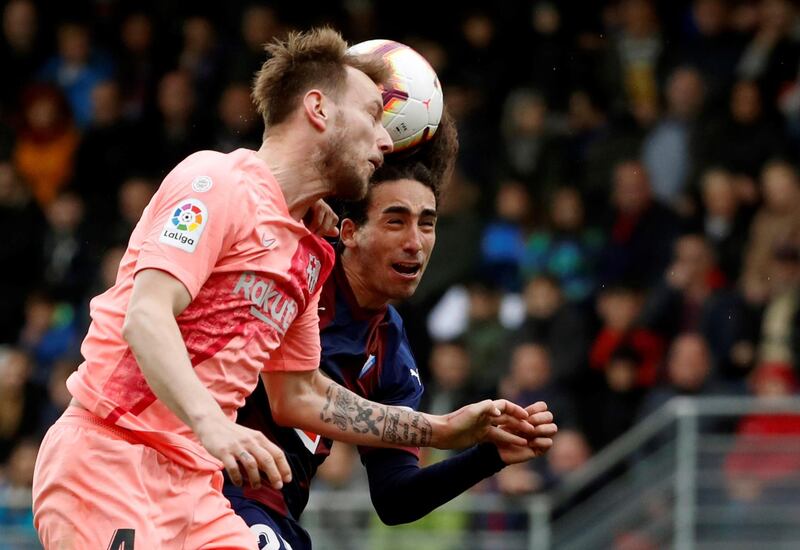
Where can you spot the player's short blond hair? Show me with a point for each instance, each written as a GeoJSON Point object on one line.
{"type": "Point", "coordinates": [305, 60]}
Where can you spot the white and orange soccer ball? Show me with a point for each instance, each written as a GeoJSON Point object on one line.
{"type": "Point", "coordinates": [412, 100]}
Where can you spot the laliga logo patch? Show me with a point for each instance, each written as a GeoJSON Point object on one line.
{"type": "Point", "coordinates": [185, 225]}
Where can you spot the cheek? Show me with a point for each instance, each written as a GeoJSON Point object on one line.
{"type": "Point", "coordinates": [428, 243]}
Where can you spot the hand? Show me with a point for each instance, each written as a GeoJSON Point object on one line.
{"type": "Point", "coordinates": [239, 447]}
{"type": "Point", "coordinates": [322, 220]}
{"type": "Point", "coordinates": [538, 443]}
{"type": "Point", "coordinates": [479, 422]}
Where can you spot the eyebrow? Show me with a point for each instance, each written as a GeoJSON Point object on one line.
{"type": "Point", "coordinates": [404, 210]}
{"type": "Point", "coordinates": [377, 104]}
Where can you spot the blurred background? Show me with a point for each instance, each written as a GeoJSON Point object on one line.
{"type": "Point", "coordinates": [621, 238]}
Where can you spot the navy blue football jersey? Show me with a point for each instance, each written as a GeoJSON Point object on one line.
{"type": "Point", "coordinates": [365, 351]}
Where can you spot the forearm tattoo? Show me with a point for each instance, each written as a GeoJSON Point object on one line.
{"type": "Point", "coordinates": [395, 425]}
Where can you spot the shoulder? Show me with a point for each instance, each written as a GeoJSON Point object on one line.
{"type": "Point", "coordinates": [208, 176]}
{"type": "Point", "coordinates": [207, 169]}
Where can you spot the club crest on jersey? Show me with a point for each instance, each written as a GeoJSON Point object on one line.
{"type": "Point", "coordinates": [309, 439]}
{"type": "Point", "coordinates": [185, 225]}
{"type": "Point", "coordinates": [201, 184]}
{"type": "Point", "coordinates": [312, 272]}
{"type": "Point", "coordinates": [368, 364]}
{"type": "Point", "coordinates": [270, 304]}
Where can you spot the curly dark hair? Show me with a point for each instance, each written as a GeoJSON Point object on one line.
{"type": "Point", "coordinates": [430, 164]}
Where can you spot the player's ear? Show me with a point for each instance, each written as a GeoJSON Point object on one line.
{"type": "Point", "coordinates": [316, 106]}
{"type": "Point", "coordinates": [347, 233]}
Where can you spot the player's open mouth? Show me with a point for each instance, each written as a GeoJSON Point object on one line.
{"type": "Point", "coordinates": [407, 269]}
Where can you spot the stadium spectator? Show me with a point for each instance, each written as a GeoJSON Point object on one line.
{"type": "Point", "coordinates": [666, 148]}
{"type": "Point", "coordinates": [16, 480]}
{"type": "Point", "coordinates": [45, 148]}
{"type": "Point", "coordinates": [775, 222]}
{"type": "Point", "coordinates": [22, 225]}
{"type": "Point", "coordinates": [111, 148]}
{"type": "Point", "coordinates": [260, 24]}
{"type": "Point", "coordinates": [566, 248]}
{"type": "Point", "coordinates": [22, 50]}
{"type": "Point", "coordinates": [201, 59]}
{"type": "Point", "coordinates": [137, 64]}
{"type": "Point", "coordinates": [503, 239]}
{"type": "Point", "coordinates": [724, 219]}
{"type": "Point", "coordinates": [450, 386]}
{"type": "Point", "coordinates": [689, 371]}
{"type": "Point", "coordinates": [531, 151]}
{"type": "Point", "coordinates": [132, 198]}
{"type": "Point", "coordinates": [693, 297]}
{"type": "Point", "coordinates": [619, 309]}
{"type": "Point", "coordinates": [743, 138]}
{"type": "Point", "coordinates": [531, 378]}
{"type": "Point", "coordinates": [764, 463]}
{"type": "Point", "coordinates": [772, 54]}
{"type": "Point", "coordinates": [177, 130]}
{"type": "Point", "coordinates": [77, 68]}
{"type": "Point", "coordinates": [485, 334]}
{"type": "Point", "coordinates": [20, 400]}
{"type": "Point", "coordinates": [550, 321]}
{"type": "Point", "coordinates": [49, 331]}
{"type": "Point", "coordinates": [711, 45]}
{"type": "Point", "coordinates": [610, 410]}
{"type": "Point", "coordinates": [239, 125]}
{"type": "Point", "coordinates": [634, 59]}
{"type": "Point", "coordinates": [779, 338]}
{"type": "Point", "coordinates": [67, 256]}
{"type": "Point", "coordinates": [640, 229]}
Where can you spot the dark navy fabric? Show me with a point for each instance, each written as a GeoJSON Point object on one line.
{"type": "Point", "coordinates": [273, 531]}
{"type": "Point", "coordinates": [364, 350]}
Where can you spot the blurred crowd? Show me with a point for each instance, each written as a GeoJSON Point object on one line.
{"type": "Point", "coordinates": [623, 225]}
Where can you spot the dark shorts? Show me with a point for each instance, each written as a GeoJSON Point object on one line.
{"type": "Point", "coordinates": [274, 531]}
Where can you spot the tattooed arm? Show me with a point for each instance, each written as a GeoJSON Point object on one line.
{"type": "Point", "coordinates": [346, 410]}
{"type": "Point", "coordinates": [310, 401]}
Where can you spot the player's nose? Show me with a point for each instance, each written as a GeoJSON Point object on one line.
{"type": "Point", "coordinates": [384, 140]}
{"type": "Point", "coordinates": [413, 240]}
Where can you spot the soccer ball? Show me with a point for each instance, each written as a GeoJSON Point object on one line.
{"type": "Point", "coordinates": [412, 100]}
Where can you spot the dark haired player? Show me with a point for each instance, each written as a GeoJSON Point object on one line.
{"type": "Point", "coordinates": [385, 243]}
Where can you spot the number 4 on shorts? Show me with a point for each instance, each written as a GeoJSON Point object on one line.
{"type": "Point", "coordinates": [122, 539]}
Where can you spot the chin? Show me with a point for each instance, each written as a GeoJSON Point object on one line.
{"type": "Point", "coordinates": [352, 189]}
{"type": "Point", "coordinates": [407, 291]}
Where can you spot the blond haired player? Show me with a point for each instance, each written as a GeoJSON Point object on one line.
{"type": "Point", "coordinates": [220, 280]}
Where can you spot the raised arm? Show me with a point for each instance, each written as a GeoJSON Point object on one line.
{"type": "Point", "coordinates": [310, 401]}
{"type": "Point", "coordinates": [403, 492]}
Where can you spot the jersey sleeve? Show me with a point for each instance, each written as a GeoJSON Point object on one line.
{"type": "Point", "coordinates": [188, 227]}
{"type": "Point", "coordinates": [300, 349]}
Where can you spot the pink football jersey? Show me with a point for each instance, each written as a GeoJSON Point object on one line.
{"type": "Point", "coordinates": [220, 225]}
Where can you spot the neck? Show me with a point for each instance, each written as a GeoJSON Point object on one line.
{"type": "Point", "coordinates": [296, 169]}
{"type": "Point", "coordinates": [365, 297]}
